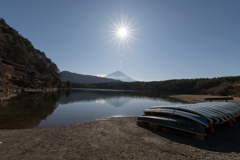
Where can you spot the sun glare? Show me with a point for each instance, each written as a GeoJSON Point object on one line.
{"type": "Point", "coordinates": [122, 32]}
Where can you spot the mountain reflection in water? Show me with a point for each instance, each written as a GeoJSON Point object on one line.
{"type": "Point", "coordinates": [75, 106]}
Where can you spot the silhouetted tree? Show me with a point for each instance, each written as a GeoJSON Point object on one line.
{"type": "Point", "coordinates": [68, 84]}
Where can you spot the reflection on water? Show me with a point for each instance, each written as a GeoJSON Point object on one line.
{"type": "Point", "coordinates": [118, 101]}
{"type": "Point", "coordinates": [75, 106]}
{"type": "Point", "coordinates": [27, 111]}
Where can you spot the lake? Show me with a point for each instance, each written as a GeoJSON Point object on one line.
{"type": "Point", "coordinates": [76, 106]}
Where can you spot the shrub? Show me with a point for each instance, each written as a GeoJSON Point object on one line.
{"type": "Point", "coordinates": [33, 75]}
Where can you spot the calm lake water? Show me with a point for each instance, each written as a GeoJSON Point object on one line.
{"type": "Point", "coordinates": [75, 106]}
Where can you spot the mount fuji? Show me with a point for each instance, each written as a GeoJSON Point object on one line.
{"type": "Point", "coordinates": [118, 75]}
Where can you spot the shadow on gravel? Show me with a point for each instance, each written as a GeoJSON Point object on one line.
{"type": "Point", "coordinates": [226, 139]}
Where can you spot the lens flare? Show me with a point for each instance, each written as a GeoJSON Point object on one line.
{"type": "Point", "coordinates": [122, 31]}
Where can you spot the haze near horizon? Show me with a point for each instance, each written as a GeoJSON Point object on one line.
{"type": "Point", "coordinates": [146, 40]}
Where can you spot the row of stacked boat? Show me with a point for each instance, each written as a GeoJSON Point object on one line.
{"type": "Point", "coordinates": [193, 118]}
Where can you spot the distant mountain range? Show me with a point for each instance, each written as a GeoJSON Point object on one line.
{"type": "Point", "coordinates": [118, 75]}
{"type": "Point", "coordinates": [80, 78]}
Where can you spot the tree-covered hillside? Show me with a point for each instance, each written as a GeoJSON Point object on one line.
{"type": "Point", "coordinates": [218, 86]}
{"type": "Point", "coordinates": [28, 63]}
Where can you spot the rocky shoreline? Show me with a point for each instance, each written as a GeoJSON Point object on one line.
{"type": "Point", "coordinates": [8, 89]}
{"type": "Point", "coordinates": [10, 93]}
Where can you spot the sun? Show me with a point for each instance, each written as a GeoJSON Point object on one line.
{"type": "Point", "coordinates": [122, 32]}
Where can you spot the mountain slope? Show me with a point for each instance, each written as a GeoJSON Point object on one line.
{"type": "Point", "coordinates": [19, 58]}
{"type": "Point", "coordinates": [80, 78]}
{"type": "Point", "coordinates": [118, 75]}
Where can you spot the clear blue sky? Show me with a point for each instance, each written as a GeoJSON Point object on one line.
{"type": "Point", "coordinates": [168, 39]}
